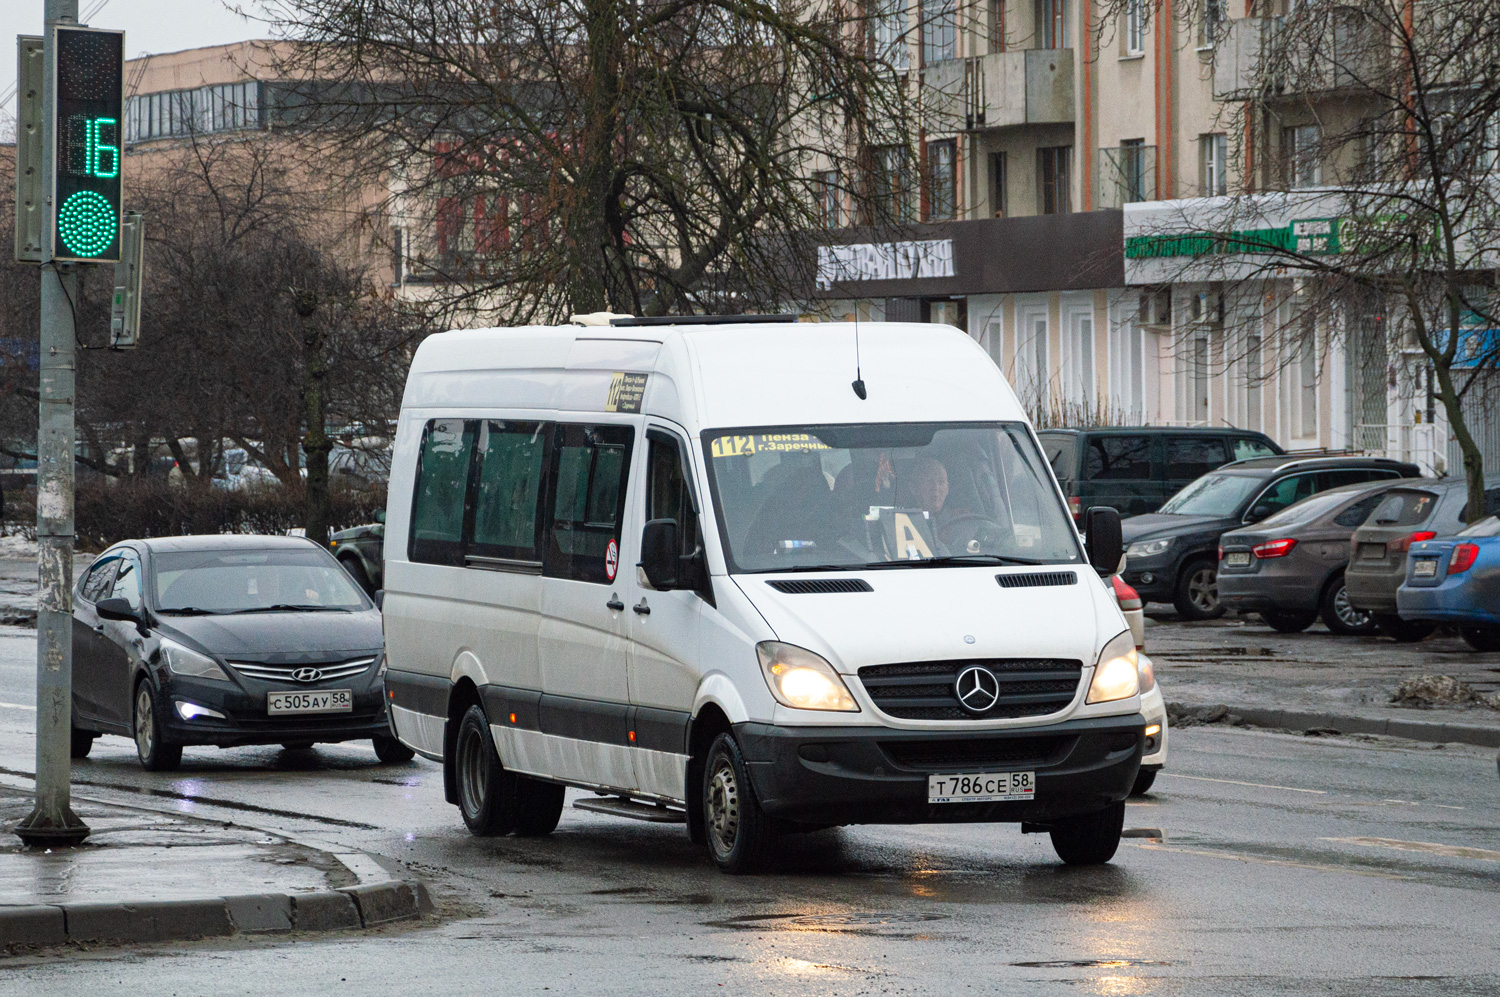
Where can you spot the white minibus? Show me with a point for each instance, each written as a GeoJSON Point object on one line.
{"type": "Point", "coordinates": [753, 576]}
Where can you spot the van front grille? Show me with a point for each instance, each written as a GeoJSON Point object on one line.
{"type": "Point", "coordinates": [926, 690]}
{"type": "Point", "coordinates": [975, 752]}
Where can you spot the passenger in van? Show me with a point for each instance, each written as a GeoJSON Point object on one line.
{"type": "Point", "coordinates": [796, 514]}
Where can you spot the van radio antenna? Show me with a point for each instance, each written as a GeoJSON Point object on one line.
{"type": "Point", "coordinates": [859, 380]}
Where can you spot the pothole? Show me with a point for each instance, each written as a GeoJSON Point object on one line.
{"type": "Point", "coordinates": [850, 920]}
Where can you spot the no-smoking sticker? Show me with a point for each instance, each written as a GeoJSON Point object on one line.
{"type": "Point", "coordinates": [611, 560]}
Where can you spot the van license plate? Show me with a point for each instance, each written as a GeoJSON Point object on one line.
{"type": "Point", "coordinates": [981, 787]}
{"type": "Point", "coordinates": [1237, 559]}
{"type": "Point", "coordinates": [322, 701]}
{"type": "Point", "coordinates": [1425, 568]}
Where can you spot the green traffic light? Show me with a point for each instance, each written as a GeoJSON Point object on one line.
{"type": "Point", "coordinates": [87, 223]}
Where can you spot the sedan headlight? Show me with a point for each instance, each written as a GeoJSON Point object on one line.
{"type": "Point", "coordinates": [1116, 675]}
{"type": "Point", "coordinates": [1148, 548]}
{"type": "Point", "coordinates": [185, 661]}
{"type": "Point", "coordinates": [801, 679]}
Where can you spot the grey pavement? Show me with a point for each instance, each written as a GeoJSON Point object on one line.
{"type": "Point", "coordinates": [1261, 863]}
{"type": "Point", "coordinates": [1314, 677]}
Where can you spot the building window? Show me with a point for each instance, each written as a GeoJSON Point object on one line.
{"type": "Point", "coordinates": [1053, 180]}
{"type": "Point", "coordinates": [1213, 21]}
{"type": "Point", "coordinates": [890, 33]}
{"type": "Point", "coordinates": [939, 31]}
{"type": "Point", "coordinates": [996, 26]}
{"type": "Point", "coordinates": [1309, 384]}
{"type": "Point", "coordinates": [999, 184]}
{"type": "Point", "coordinates": [830, 213]}
{"type": "Point", "coordinates": [1137, 18]}
{"type": "Point", "coordinates": [1213, 165]}
{"type": "Point", "coordinates": [942, 182]}
{"type": "Point", "coordinates": [1133, 170]}
{"type": "Point", "coordinates": [222, 107]}
{"type": "Point", "coordinates": [1302, 158]}
{"type": "Point", "coordinates": [1051, 24]}
{"type": "Point", "coordinates": [1127, 173]}
{"type": "Point", "coordinates": [892, 182]}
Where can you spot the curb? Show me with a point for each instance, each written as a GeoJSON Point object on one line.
{"type": "Point", "coordinates": [353, 907]}
{"type": "Point", "coordinates": [1414, 730]}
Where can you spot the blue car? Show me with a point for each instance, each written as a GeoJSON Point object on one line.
{"type": "Point", "coordinates": [1456, 580]}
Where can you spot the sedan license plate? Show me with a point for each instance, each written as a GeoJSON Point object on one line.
{"type": "Point", "coordinates": [1237, 559]}
{"type": "Point", "coordinates": [322, 701]}
{"type": "Point", "coordinates": [1372, 552]}
{"type": "Point", "coordinates": [1425, 568]}
{"type": "Point", "coordinates": [981, 787]}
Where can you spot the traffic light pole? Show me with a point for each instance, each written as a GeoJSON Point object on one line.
{"type": "Point", "coordinates": [52, 821]}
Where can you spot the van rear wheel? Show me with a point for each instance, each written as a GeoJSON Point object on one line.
{"type": "Point", "coordinates": [740, 834]}
{"type": "Point", "coordinates": [486, 791]}
{"type": "Point", "coordinates": [539, 806]}
{"type": "Point", "coordinates": [1090, 839]}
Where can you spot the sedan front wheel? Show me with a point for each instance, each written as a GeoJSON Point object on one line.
{"type": "Point", "coordinates": [150, 745]}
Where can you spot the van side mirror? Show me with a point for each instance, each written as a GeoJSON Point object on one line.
{"type": "Point", "coordinates": [1106, 543]}
{"type": "Point", "coordinates": [379, 599]}
{"type": "Point", "coordinates": [380, 515]}
{"type": "Point", "coordinates": [659, 553]}
{"type": "Point", "coordinates": [1260, 512]}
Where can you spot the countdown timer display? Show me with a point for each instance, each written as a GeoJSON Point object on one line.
{"type": "Point", "coordinates": [86, 180]}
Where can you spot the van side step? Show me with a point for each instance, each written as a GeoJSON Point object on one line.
{"type": "Point", "coordinates": [618, 806]}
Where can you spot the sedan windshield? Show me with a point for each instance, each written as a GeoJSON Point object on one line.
{"type": "Point", "coordinates": [1218, 495]}
{"type": "Point", "coordinates": [895, 495]}
{"type": "Point", "coordinates": [241, 581]}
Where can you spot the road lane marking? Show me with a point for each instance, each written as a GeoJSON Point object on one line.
{"type": "Point", "coordinates": [1236, 782]}
{"type": "Point", "coordinates": [1431, 847]}
{"type": "Point", "coordinates": [1259, 860]}
{"type": "Point", "coordinates": [17, 706]}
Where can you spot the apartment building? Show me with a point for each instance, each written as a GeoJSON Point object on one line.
{"type": "Point", "coordinates": [1051, 135]}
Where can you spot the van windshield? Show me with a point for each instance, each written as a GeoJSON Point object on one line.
{"type": "Point", "coordinates": [804, 498]}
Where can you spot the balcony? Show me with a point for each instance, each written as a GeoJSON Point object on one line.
{"type": "Point", "coordinates": [1310, 53]}
{"type": "Point", "coordinates": [1127, 174]}
{"type": "Point", "coordinates": [1000, 90]}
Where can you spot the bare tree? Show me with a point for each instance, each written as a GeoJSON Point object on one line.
{"type": "Point", "coordinates": [643, 156]}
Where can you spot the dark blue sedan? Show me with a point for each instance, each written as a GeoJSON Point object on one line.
{"type": "Point", "coordinates": [1456, 580]}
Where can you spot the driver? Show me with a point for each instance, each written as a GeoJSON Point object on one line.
{"type": "Point", "coordinates": [927, 485]}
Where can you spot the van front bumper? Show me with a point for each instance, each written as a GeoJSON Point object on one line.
{"type": "Point", "coordinates": [878, 775]}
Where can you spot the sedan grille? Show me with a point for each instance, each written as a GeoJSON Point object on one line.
{"type": "Point", "coordinates": [286, 672]}
{"type": "Point", "coordinates": [925, 690]}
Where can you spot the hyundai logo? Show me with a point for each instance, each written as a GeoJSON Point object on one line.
{"type": "Point", "coordinates": [977, 689]}
{"type": "Point", "coordinates": [313, 675]}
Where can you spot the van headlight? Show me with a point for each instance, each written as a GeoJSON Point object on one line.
{"type": "Point", "coordinates": [1115, 676]}
{"type": "Point", "coordinates": [801, 679]}
{"type": "Point", "coordinates": [184, 661]}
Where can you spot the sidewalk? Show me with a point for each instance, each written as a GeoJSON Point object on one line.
{"type": "Point", "coordinates": [152, 876]}
{"type": "Point", "coordinates": [1318, 681]}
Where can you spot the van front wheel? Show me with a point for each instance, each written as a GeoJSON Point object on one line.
{"type": "Point", "coordinates": [486, 792]}
{"type": "Point", "coordinates": [740, 834]}
{"type": "Point", "coordinates": [1090, 839]}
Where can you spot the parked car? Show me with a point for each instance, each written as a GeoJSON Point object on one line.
{"type": "Point", "coordinates": [1153, 706]}
{"type": "Point", "coordinates": [1456, 580]}
{"type": "Point", "coordinates": [1173, 555]}
{"type": "Point", "coordinates": [1289, 568]}
{"type": "Point", "coordinates": [1138, 468]}
{"type": "Point", "coordinates": [1417, 511]}
{"type": "Point", "coordinates": [361, 550]}
{"type": "Point", "coordinates": [696, 571]}
{"type": "Point", "coordinates": [225, 640]}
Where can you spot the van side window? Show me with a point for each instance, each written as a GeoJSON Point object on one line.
{"type": "Point", "coordinates": [507, 504]}
{"type": "Point", "coordinates": [667, 493]}
{"type": "Point", "coordinates": [1193, 456]}
{"type": "Point", "coordinates": [437, 518]}
{"type": "Point", "coordinates": [588, 508]}
{"type": "Point", "coordinates": [1119, 458]}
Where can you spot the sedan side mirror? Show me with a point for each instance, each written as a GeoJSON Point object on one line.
{"type": "Point", "coordinates": [1106, 544]}
{"type": "Point", "coordinates": [659, 553]}
{"type": "Point", "coordinates": [116, 609]}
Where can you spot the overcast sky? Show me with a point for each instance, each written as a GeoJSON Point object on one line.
{"type": "Point", "coordinates": [150, 26]}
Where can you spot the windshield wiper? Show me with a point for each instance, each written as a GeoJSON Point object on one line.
{"type": "Point", "coordinates": [961, 560]}
{"type": "Point", "coordinates": [189, 611]}
{"type": "Point", "coordinates": [288, 607]}
{"type": "Point", "coordinates": [808, 567]}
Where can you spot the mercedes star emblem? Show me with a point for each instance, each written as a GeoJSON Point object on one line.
{"type": "Point", "coordinates": [312, 675]}
{"type": "Point", "coordinates": [977, 689]}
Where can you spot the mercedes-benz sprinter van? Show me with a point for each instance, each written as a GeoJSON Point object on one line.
{"type": "Point", "coordinates": [752, 577]}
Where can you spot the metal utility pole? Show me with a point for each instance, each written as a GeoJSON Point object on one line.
{"type": "Point", "coordinates": [52, 821]}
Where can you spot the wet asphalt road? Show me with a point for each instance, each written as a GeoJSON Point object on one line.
{"type": "Point", "coordinates": [1284, 865]}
